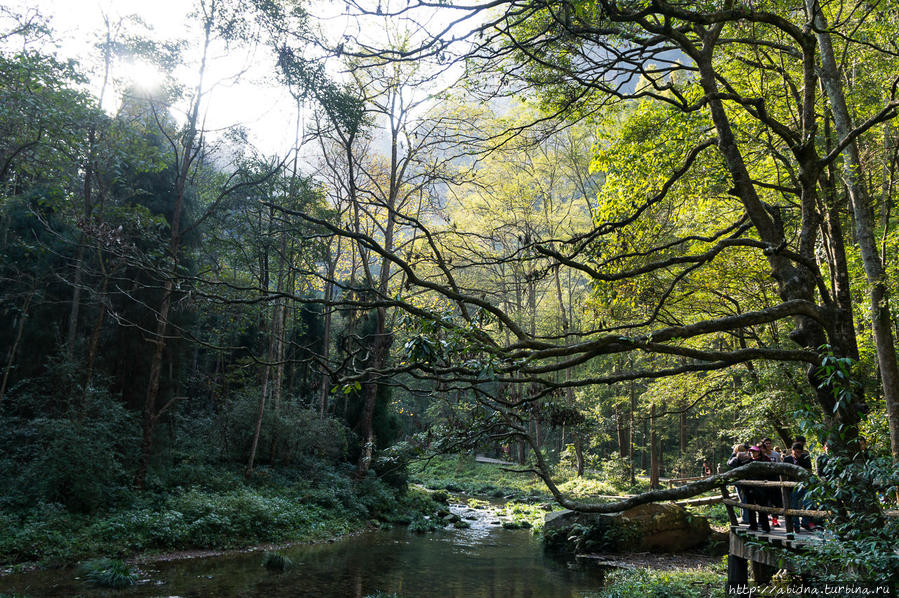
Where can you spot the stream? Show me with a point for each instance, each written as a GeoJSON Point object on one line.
{"type": "Point", "coordinates": [482, 561]}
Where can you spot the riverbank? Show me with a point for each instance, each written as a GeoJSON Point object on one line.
{"type": "Point", "coordinates": [219, 513]}
{"type": "Point", "coordinates": [481, 559]}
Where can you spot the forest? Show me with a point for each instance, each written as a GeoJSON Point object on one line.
{"type": "Point", "coordinates": [594, 240]}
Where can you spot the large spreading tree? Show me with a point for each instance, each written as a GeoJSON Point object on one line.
{"type": "Point", "coordinates": [745, 145]}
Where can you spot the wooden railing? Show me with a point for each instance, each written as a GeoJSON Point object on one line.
{"type": "Point", "coordinates": [785, 487]}
{"type": "Point", "coordinates": [672, 482]}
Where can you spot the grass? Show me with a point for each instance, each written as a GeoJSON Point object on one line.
{"type": "Point", "coordinates": [653, 583]}
{"type": "Point", "coordinates": [527, 497]}
{"type": "Point", "coordinates": [108, 573]}
{"type": "Point", "coordinates": [716, 514]}
{"type": "Point", "coordinates": [464, 474]}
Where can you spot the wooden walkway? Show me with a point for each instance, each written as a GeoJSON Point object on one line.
{"type": "Point", "coordinates": [743, 553]}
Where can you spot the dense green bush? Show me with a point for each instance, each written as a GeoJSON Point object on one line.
{"type": "Point", "coordinates": [599, 534]}
{"type": "Point", "coordinates": [616, 470]}
{"type": "Point", "coordinates": [70, 450]}
{"type": "Point", "coordinates": [652, 583]}
{"type": "Point", "coordinates": [282, 508]}
{"type": "Point", "coordinates": [288, 435]}
{"type": "Point", "coordinates": [861, 539]}
{"type": "Point", "coordinates": [861, 545]}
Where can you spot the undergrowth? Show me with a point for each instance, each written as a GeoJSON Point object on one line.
{"type": "Point", "coordinates": [272, 508]}
{"type": "Point", "coordinates": [653, 583]}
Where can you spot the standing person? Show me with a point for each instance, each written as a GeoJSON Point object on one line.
{"type": "Point", "coordinates": [775, 456]}
{"type": "Point", "coordinates": [740, 456]}
{"type": "Point", "coordinates": [799, 457]}
{"type": "Point", "coordinates": [772, 454]}
{"type": "Point", "coordinates": [759, 496]}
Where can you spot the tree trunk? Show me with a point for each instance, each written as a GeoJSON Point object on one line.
{"type": "Point", "coordinates": [579, 453]}
{"type": "Point", "coordinates": [644, 454]}
{"type": "Point", "coordinates": [620, 432]}
{"type": "Point", "coordinates": [20, 329]}
{"type": "Point", "coordinates": [74, 309]}
{"type": "Point", "coordinates": [653, 450]}
{"type": "Point", "coordinates": [538, 427]}
{"type": "Point", "coordinates": [258, 429]}
{"type": "Point", "coordinates": [150, 414]}
{"type": "Point", "coordinates": [95, 335]}
{"type": "Point", "coordinates": [325, 384]}
{"type": "Point", "coordinates": [793, 281]}
{"type": "Point", "coordinates": [853, 177]}
{"type": "Point", "coordinates": [380, 347]}
{"type": "Point", "coordinates": [630, 433]}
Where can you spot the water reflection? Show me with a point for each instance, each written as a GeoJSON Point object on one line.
{"type": "Point", "coordinates": [484, 561]}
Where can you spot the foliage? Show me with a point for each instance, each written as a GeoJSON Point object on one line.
{"type": "Point", "coordinates": [555, 260]}
{"type": "Point", "coordinates": [277, 509]}
{"type": "Point", "coordinates": [654, 583]}
{"type": "Point", "coordinates": [275, 561]}
{"type": "Point", "coordinates": [108, 573]}
{"type": "Point", "coordinates": [615, 469]}
{"type": "Point", "coordinates": [600, 534]}
{"type": "Point", "coordinates": [861, 540]}
{"type": "Point", "coordinates": [68, 446]}
{"type": "Point", "coordinates": [462, 473]}
{"type": "Point", "coordinates": [421, 525]}
{"type": "Point", "coordinates": [288, 436]}
{"type": "Point", "coordinates": [856, 488]}
{"type": "Point", "coordinates": [528, 516]}
{"type": "Point", "coordinates": [716, 514]}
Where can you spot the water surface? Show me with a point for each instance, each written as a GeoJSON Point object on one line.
{"type": "Point", "coordinates": [485, 561]}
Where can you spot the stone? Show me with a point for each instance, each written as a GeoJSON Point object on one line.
{"type": "Point", "coordinates": [656, 527]}
{"type": "Point", "coordinates": [666, 527]}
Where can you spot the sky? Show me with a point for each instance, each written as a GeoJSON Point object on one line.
{"type": "Point", "coordinates": [255, 101]}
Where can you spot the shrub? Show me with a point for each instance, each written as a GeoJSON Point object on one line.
{"type": "Point", "coordinates": [598, 534]}
{"type": "Point", "coordinates": [420, 525]}
{"type": "Point", "coordinates": [650, 583]}
{"type": "Point", "coordinates": [108, 573]}
{"type": "Point", "coordinates": [75, 458]}
{"type": "Point", "coordinates": [275, 561]}
{"type": "Point", "coordinates": [288, 436]}
{"type": "Point", "coordinates": [616, 470]}
{"type": "Point", "coordinates": [861, 539]}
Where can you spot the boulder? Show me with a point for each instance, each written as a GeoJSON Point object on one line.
{"type": "Point", "coordinates": [652, 527]}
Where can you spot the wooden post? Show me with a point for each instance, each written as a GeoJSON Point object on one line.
{"type": "Point", "coordinates": [737, 572]}
{"type": "Point", "coordinates": [761, 572]}
{"type": "Point", "coordinates": [730, 510]}
{"type": "Point", "coordinates": [785, 497]}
